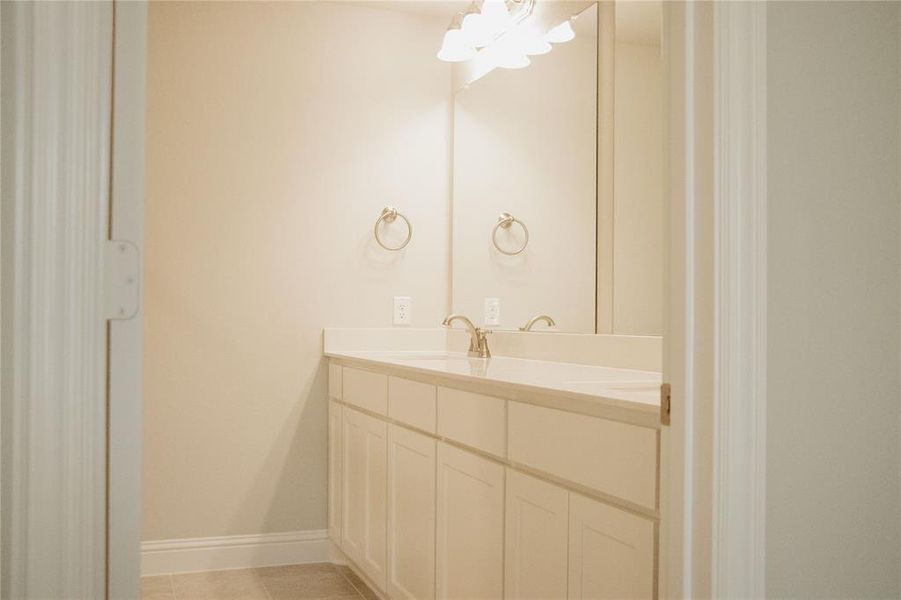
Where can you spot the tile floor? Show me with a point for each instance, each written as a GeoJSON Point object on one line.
{"type": "Point", "coordinates": [322, 581]}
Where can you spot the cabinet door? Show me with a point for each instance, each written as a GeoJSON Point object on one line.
{"type": "Point", "coordinates": [470, 543]}
{"type": "Point", "coordinates": [411, 514]}
{"type": "Point", "coordinates": [364, 497]}
{"type": "Point", "coordinates": [536, 538]}
{"type": "Point", "coordinates": [334, 471]}
{"type": "Point", "coordinates": [611, 551]}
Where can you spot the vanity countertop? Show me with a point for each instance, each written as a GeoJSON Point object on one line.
{"type": "Point", "coordinates": [621, 394]}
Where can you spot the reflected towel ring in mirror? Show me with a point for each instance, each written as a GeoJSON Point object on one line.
{"type": "Point", "coordinates": [505, 221]}
{"type": "Point", "coordinates": [389, 215]}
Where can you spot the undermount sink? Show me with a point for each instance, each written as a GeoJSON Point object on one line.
{"type": "Point", "coordinates": [416, 355]}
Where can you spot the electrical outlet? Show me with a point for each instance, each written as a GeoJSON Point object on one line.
{"type": "Point", "coordinates": [403, 310]}
{"type": "Point", "coordinates": [492, 311]}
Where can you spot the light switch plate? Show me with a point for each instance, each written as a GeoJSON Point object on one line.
{"type": "Point", "coordinates": [403, 310]}
{"type": "Point", "coordinates": [492, 311]}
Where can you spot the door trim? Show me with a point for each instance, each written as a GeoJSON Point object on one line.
{"type": "Point", "coordinates": [126, 336]}
{"type": "Point", "coordinates": [740, 205]}
{"type": "Point", "coordinates": [714, 454]}
{"type": "Point", "coordinates": [56, 117]}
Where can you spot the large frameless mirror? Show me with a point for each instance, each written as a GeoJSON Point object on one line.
{"type": "Point", "coordinates": [557, 188]}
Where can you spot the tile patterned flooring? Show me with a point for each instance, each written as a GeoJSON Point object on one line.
{"type": "Point", "coordinates": [323, 581]}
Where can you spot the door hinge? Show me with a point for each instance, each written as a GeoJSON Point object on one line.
{"type": "Point", "coordinates": [123, 274]}
{"type": "Point", "coordinates": [666, 399]}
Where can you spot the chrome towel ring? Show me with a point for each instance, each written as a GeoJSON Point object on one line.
{"type": "Point", "coordinates": [505, 221]}
{"type": "Point", "coordinates": [389, 215]}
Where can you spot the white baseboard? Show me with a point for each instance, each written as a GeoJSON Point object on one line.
{"type": "Point", "coordinates": [234, 552]}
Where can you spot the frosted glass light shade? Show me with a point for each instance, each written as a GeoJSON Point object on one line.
{"type": "Point", "coordinates": [507, 55]}
{"type": "Point", "coordinates": [530, 41]}
{"type": "Point", "coordinates": [513, 61]}
{"type": "Point", "coordinates": [476, 30]}
{"type": "Point", "coordinates": [496, 15]}
{"type": "Point", "coordinates": [561, 33]}
{"type": "Point", "coordinates": [455, 47]}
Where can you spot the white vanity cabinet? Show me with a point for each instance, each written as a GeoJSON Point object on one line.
{"type": "Point", "coordinates": [335, 459]}
{"type": "Point", "coordinates": [441, 492]}
{"type": "Point", "coordinates": [470, 549]}
{"type": "Point", "coordinates": [537, 530]}
{"type": "Point", "coordinates": [411, 514]}
{"type": "Point", "coordinates": [364, 528]}
{"type": "Point", "coordinates": [611, 551]}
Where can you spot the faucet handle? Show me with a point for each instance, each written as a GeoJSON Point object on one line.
{"type": "Point", "coordinates": [481, 343]}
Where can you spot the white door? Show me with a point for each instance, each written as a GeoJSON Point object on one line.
{"type": "Point", "coordinates": [335, 461]}
{"type": "Point", "coordinates": [364, 498]}
{"type": "Point", "coordinates": [611, 552]}
{"type": "Point", "coordinates": [411, 514]}
{"type": "Point", "coordinates": [470, 543]}
{"type": "Point", "coordinates": [537, 519]}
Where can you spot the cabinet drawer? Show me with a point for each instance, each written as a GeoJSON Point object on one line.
{"type": "Point", "coordinates": [611, 457]}
{"type": "Point", "coordinates": [366, 389]}
{"type": "Point", "coordinates": [334, 381]}
{"type": "Point", "coordinates": [472, 419]}
{"type": "Point", "coordinates": [412, 403]}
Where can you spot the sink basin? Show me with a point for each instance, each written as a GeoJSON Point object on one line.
{"type": "Point", "coordinates": [415, 355]}
{"type": "Point", "coordinates": [641, 387]}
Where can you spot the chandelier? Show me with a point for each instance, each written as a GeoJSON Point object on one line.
{"type": "Point", "coordinates": [502, 32]}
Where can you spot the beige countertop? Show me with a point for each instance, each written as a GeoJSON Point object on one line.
{"type": "Point", "coordinates": [622, 394]}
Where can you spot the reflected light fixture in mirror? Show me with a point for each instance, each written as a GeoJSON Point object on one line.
{"type": "Point", "coordinates": [561, 33]}
{"type": "Point", "coordinates": [455, 48]}
{"type": "Point", "coordinates": [504, 36]}
{"type": "Point", "coordinates": [477, 29]}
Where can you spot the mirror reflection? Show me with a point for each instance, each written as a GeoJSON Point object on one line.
{"type": "Point", "coordinates": [558, 196]}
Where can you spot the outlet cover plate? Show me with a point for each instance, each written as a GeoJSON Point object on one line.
{"type": "Point", "coordinates": [403, 310]}
{"type": "Point", "coordinates": [492, 311]}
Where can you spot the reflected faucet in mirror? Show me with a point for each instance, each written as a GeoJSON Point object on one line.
{"type": "Point", "coordinates": [478, 342]}
{"type": "Point", "coordinates": [531, 322]}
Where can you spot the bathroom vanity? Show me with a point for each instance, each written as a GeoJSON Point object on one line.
{"type": "Point", "coordinates": [463, 477]}
{"type": "Point", "coordinates": [458, 477]}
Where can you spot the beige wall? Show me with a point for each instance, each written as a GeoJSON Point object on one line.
{"type": "Point", "coordinates": [833, 399]}
{"type": "Point", "coordinates": [638, 189]}
{"type": "Point", "coordinates": [525, 143]}
{"type": "Point", "coordinates": [276, 132]}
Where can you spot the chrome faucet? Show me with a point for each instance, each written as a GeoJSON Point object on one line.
{"type": "Point", "coordinates": [478, 343]}
{"type": "Point", "coordinates": [533, 320]}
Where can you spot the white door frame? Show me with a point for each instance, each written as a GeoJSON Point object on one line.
{"type": "Point", "coordinates": [57, 68]}
{"type": "Point", "coordinates": [739, 491]}
{"type": "Point", "coordinates": [57, 93]}
{"type": "Point", "coordinates": [126, 335]}
{"type": "Point", "coordinates": [71, 401]}
{"type": "Point", "coordinates": [714, 454]}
